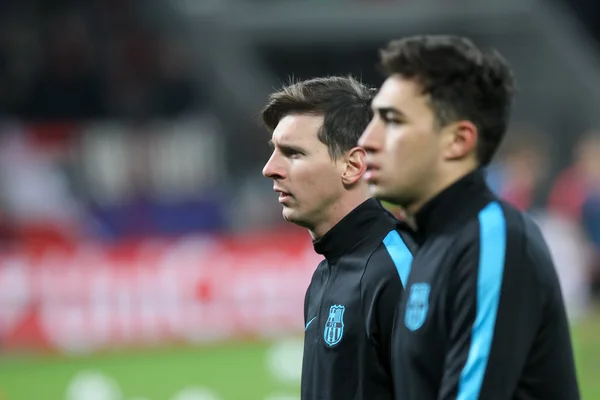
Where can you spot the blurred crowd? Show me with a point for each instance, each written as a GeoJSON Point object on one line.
{"type": "Point", "coordinates": [90, 59]}
{"type": "Point", "coordinates": [566, 205]}
{"type": "Point", "coordinates": [65, 65]}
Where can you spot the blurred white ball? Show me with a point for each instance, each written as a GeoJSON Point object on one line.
{"type": "Point", "coordinates": [284, 360]}
{"type": "Point", "coordinates": [196, 393]}
{"type": "Point", "coordinates": [93, 385]}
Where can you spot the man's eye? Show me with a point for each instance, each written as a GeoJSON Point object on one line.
{"type": "Point", "coordinates": [391, 120]}
{"type": "Point", "coordinates": [291, 153]}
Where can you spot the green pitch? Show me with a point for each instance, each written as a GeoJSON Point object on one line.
{"type": "Point", "coordinates": [237, 371]}
{"type": "Point", "coordinates": [586, 339]}
{"type": "Point", "coordinates": [256, 371]}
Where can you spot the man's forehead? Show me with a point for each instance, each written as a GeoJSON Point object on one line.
{"type": "Point", "coordinates": [296, 127]}
{"type": "Point", "coordinates": [396, 90]}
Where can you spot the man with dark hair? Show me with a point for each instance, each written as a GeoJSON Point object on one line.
{"type": "Point", "coordinates": [482, 316]}
{"type": "Point", "coordinates": [317, 169]}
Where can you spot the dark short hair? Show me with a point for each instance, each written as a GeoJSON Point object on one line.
{"type": "Point", "coordinates": [462, 82]}
{"type": "Point", "coordinates": [344, 103]}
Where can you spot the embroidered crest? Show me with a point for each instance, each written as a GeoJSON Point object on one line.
{"type": "Point", "coordinates": [334, 327]}
{"type": "Point", "coordinates": [417, 306]}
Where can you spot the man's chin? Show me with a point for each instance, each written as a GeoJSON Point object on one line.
{"type": "Point", "coordinates": [377, 191]}
{"type": "Point", "coordinates": [380, 193]}
{"type": "Point", "coordinates": [288, 214]}
{"type": "Point", "coordinates": [292, 217]}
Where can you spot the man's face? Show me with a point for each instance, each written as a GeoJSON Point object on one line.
{"type": "Point", "coordinates": [404, 148]}
{"type": "Point", "coordinates": [305, 176]}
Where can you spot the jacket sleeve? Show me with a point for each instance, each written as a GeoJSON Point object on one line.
{"type": "Point", "coordinates": [505, 316]}
{"type": "Point", "coordinates": [306, 302]}
{"type": "Point", "coordinates": [381, 291]}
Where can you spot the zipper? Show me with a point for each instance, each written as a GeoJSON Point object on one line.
{"type": "Point", "coordinates": [321, 304]}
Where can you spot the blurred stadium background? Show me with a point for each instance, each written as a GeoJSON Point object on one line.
{"type": "Point", "coordinates": [142, 254]}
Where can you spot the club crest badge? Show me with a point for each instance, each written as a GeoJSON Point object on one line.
{"type": "Point", "coordinates": [417, 306]}
{"type": "Point", "coordinates": [334, 326]}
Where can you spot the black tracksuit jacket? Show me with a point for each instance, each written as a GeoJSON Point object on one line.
{"type": "Point", "coordinates": [350, 305]}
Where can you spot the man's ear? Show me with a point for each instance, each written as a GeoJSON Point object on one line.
{"type": "Point", "coordinates": [462, 137]}
{"type": "Point", "coordinates": [355, 165]}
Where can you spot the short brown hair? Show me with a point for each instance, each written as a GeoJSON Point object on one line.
{"type": "Point", "coordinates": [344, 103]}
{"type": "Point", "coordinates": [461, 81]}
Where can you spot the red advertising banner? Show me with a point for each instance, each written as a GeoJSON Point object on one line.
{"type": "Point", "coordinates": [199, 289]}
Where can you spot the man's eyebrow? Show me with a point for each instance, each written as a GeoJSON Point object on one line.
{"type": "Point", "coordinates": [286, 147]}
{"type": "Point", "coordinates": [388, 110]}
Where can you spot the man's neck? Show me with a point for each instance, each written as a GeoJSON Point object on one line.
{"type": "Point", "coordinates": [445, 181]}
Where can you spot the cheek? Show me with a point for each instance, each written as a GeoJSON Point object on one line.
{"type": "Point", "coordinates": [329, 185]}
{"type": "Point", "coordinates": [317, 179]}
{"type": "Point", "coordinates": [402, 146]}
{"type": "Point", "coordinates": [325, 178]}
{"type": "Point", "coordinates": [411, 149]}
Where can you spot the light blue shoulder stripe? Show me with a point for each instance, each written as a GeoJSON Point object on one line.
{"type": "Point", "coordinates": [492, 254]}
{"type": "Point", "coordinates": [400, 254]}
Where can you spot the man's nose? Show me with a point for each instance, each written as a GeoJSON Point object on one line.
{"type": "Point", "coordinates": [369, 139]}
{"type": "Point", "coordinates": [273, 169]}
